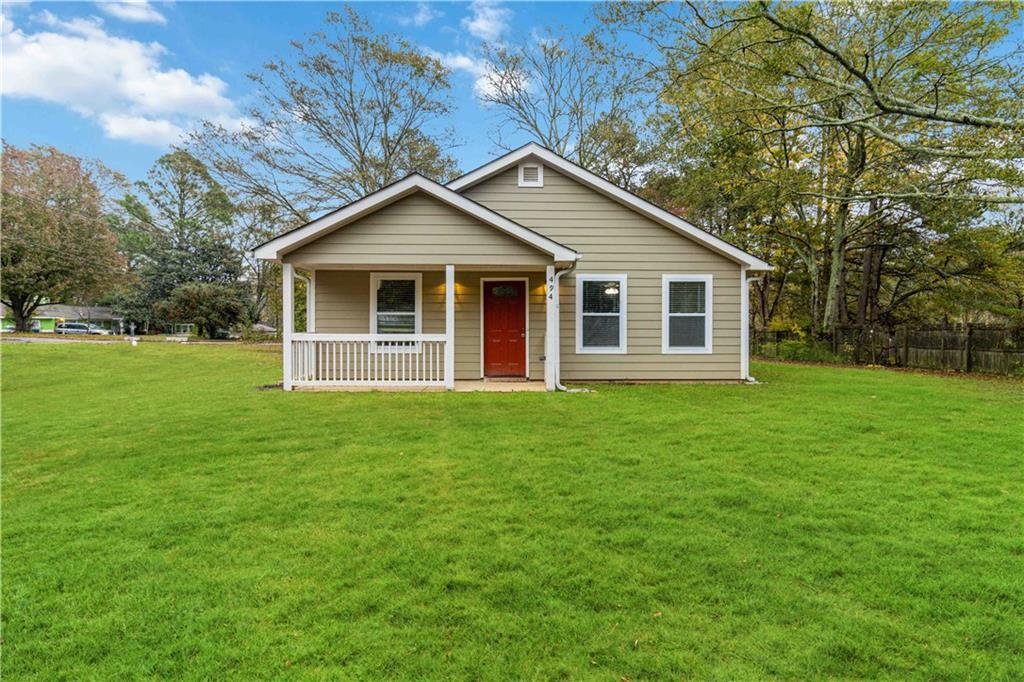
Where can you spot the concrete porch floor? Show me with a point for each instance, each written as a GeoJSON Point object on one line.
{"type": "Point", "coordinates": [499, 385]}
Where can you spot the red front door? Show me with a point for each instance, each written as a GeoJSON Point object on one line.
{"type": "Point", "coordinates": [504, 329]}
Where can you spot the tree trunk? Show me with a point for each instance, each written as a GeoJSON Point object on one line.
{"type": "Point", "coordinates": [842, 306]}
{"type": "Point", "coordinates": [870, 280]}
{"type": "Point", "coordinates": [762, 301]}
{"type": "Point", "coordinates": [862, 296]}
{"type": "Point", "coordinates": [808, 257]}
{"type": "Point", "coordinates": [815, 276]}
{"type": "Point", "coordinates": [865, 311]}
{"type": "Point", "coordinates": [21, 321]}
{"type": "Point", "coordinates": [837, 271]}
{"type": "Point", "coordinates": [22, 308]}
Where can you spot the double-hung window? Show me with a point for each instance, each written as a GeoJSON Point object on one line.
{"type": "Point", "coordinates": [600, 313]}
{"type": "Point", "coordinates": [395, 307]}
{"type": "Point", "coordinates": [686, 313]}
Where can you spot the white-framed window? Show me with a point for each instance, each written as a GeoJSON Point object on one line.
{"type": "Point", "coordinates": [396, 307]}
{"type": "Point", "coordinates": [600, 313]}
{"type": "Point", "coordinates": [686, 313]}
{"type": "Point", "coordinates": [531, 174]}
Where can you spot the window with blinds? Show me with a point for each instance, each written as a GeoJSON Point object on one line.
{"type": "Point", "coordinates": [395, 304]}
{"type": "Point", "coordinates": [600, 313]}
{"type": "Point", "coordinates": [686, 314]}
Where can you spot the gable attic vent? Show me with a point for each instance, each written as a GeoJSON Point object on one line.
{"type": "Point", "coordinates": [531, 175]}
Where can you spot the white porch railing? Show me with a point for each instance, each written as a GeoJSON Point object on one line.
{"type": "Point", "coordinates": [368, 360]}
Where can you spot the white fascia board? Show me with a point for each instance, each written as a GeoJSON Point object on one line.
{"type": "Point", "coordinates": [276, 248]}
{"type": "Point", "coordinates": [598, 183]}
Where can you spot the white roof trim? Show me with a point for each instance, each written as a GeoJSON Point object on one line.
{"type": "Point", "coordinates": [276, 248]}
{"type": "Point", "coordinates": [598, 183]}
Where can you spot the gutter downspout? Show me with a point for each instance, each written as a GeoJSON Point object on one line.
{"type": "Point", "coordinates": [747, 282]}
{"type": "Point", "coordinates": [558, 350]}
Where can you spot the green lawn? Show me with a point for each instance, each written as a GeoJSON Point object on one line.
{"type": "Point", "coordinates": [163, 517]}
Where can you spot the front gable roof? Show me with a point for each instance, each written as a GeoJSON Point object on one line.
{"type": "Point", "coordinates": [289, 241]}
{"type": "Point", "coordinates": [599, 184]}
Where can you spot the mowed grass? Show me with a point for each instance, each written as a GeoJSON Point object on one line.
{"type": "Point", "coordinates": [162, 517]}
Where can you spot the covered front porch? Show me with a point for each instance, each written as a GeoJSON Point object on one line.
{"type": "Point", "coordinates": [416, 286]}
{"type": "Point", "coordinates": [421, 326]}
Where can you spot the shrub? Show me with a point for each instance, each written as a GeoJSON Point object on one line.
{"type": "Point", "coordinates": [250, 335]}
{"type": "Point", "coordinates": [807, 351]}
{"type": "Point", "coordinates": [213, 308]}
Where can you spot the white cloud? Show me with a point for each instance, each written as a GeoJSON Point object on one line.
{"type": "Point", "coordinates": [136, 11]}
{"type": "Point", "coordinates": [480, 69]}
{"type": "Point", "coordinates": [141, 129]}
{"type": "Point", "coordinates": [424, 15]}
{"type": "Point", "coordinates": [119, 82]}
{"type": "Point", "coordinates": [488, 21]}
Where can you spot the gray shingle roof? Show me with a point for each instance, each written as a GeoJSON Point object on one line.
{"type": "Point", "coordinates": [73, 312]}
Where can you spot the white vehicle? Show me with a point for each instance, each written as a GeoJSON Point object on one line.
{"type": "Point", "coordinates": [80, 328]}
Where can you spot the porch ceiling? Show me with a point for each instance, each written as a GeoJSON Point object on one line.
{"type": "Point", "coordinates": [415, 267]}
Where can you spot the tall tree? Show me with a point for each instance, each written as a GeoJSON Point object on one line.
{"type": "Point", "coordinates": [185, 220]}
{"type": "Point", "coordinates": [255, 224]}
{"type": "Point", "coordinates": [56, 245]}
{"type": "Point", "coordinates": [868, 126]}
{"type": "Point", "coordinates": [349, 111]}
{"type": "Point", "coordinates": [568, 93]}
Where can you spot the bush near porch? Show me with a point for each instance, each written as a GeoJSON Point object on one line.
{"type": "Point", "coordinates": [828, 523]}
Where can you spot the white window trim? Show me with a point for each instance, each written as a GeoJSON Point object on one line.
{"type": "Point", "coordinates": [540, 174]}
{"type": "Point", "coordinates": [708, 297]}
{"type": "Point", "coordinates": [375, 278]}
{"type": "Point", "coordinates": [526, 285]}
{"type": "Point", "coordinates": [602, 350]}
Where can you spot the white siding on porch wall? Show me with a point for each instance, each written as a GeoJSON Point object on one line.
{"type": "Point", "coordinates": [343, 307]}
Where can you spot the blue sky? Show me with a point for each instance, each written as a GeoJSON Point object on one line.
{"type": "Point", "coordinates": [119, 81]}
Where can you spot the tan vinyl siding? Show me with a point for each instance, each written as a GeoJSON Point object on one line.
{"type": "Point", "coordinates": [343, 302]}
{"type": "Point", "coordinates": [343, 307]}
{"type": "Point", "coordinates": [418, 230]}
{"type": "Point", "coordinates": [614, 239]}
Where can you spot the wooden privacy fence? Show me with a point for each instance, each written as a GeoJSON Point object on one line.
{"type": "Point", "coordinates": [965, 348]}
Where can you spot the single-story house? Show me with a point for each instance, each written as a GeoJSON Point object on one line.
{"type": "Point", "coordinates": [46, 317]}
{"type": "Point", "coordinates": [529, 267]}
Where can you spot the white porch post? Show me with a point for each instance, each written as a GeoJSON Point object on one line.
{"type": "Point", "coordinates": [744, 325]}
{"type": "Point", "coordinates": [311, 302]}
{"type": "Point", "coordinates": [449, 327]}
{"type": "Point", "coordinates": [551, 339]}
{"type": "Point", "coordinates": [287, 319]}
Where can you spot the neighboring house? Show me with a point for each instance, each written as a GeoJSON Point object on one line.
{"type": "Point", "coordinates": [47, 317]}
{"type": "Point", "coordinates": [528, 267]}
